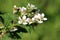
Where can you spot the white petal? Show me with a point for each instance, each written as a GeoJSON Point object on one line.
{"type": "Point", "coordinates": [24, 17]}
{"type": "Point", "coordinates": [39, 14]}
{"type": "Point", "coordinates": [40, 21]}
{"type": "Point", "coordinates": [42, 14]}
{"type": "Point", "coordinates": [28, 4]}
{"type": "Point", "coordinates": [30, 22]}
{"type": "Point", "coordinates": [14, 29]}
{"type": "Point", "coordinates": [24, 23]}
{"type": "Point", "coordinates": [44, 18]}
{"type": "Point", "coordinates": [27, 19]}
{"type": "Point", "coordinates": [33, 19]}
{"type": "Point", "coordinates": [23, 9]}
{"type": "Point", "coordinates": [32, 6]}
{"type": "Point", "coordinates": [19, 22]}
{"type": "Point", "coordinates": [36, 16]}
{"type": "Point", "coordinates": [19, 18]}
{"type": "Point", "coordinates": [14, 6]}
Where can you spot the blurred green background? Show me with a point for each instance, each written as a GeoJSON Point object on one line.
{"type": "Point", "coordinates": [49, 30]}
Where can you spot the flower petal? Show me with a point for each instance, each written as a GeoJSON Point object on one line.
{"type": "Point", "coordinates": [13, 30]}
{"type": "Point", "coordinates": [44, 18]}
{"type": "Point", "coordinates": [30, 22]}
{"type": "Point", "coordinates": [35, 16]}
{"type": "Point", "coordinates": [40, 21]}
{"type": "Point", "coordinates": [28, 4]}
{"type": "Point", "coordinates": [33, 19]}
{"type": "Point", "coordinates": [24, 17]}
{"type": "Point", "coordinates": [19, 18]}
{"type": "Point", "coordinates": [19, 22]}
{"type": "Point", "coordinates": [32, 5]}
{"type": "Point", "coordinates": [42, 14]}
{"type": "Point", "coordinates": [27, 19]}
{"type": "Point", "coordinates": [25, 23]}
{"type": "Point", "coordinates": [14, 6]}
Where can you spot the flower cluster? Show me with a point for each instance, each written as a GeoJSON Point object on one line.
{"type": "Point", "coordinates": [26, 15]}
{"type": "Point", "coordinates": [29, 14]}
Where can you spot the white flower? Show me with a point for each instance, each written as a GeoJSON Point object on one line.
{"type": "Point", "coordinates": [22, 20]}
{"type": "Point", "coordinates": [19, 22]}
{"type": "Point", "coordinates": [36, 16]}
{"type": "Point", "coordinates": [29, 20]}
{"type": "Point", "coordinates": [23, 9]}
{"type": "Point", "coordinates": [31, 6]}
{"type": "Point", "coordinates": [14, 9]}
{"type": "Point", "coordinates": [40, 17]}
